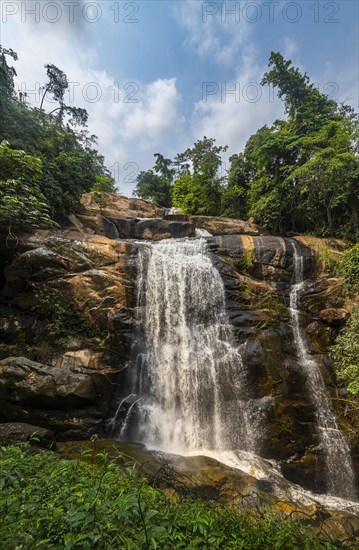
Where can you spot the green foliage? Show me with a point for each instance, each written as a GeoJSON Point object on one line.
{"type": "Point", "coordinates": [345, 353]}
{"type": "Point", "coordinates": [351, 269]}
{"type": "Point", "coordinates": [196, 194]}
{"type": "Point", "coordinates": [63, 318]}
{"type": "Point", "coordinates": [46, 502]}
{"type": "Point", "coordinates": [199, 191]}
{"type": "Point", "coordinates": [246, 261]}
{"type": "Point", "coordinates": [300, 174]}
{"type": "Point", "coordinates": [234, 194]}
{"type": "Point", "coordinates": [70, 163]}
{"type": "Point", "coordinates": [330, 262]}
{"type": "Point", "coordinates": [155, 188]}
{"type": "Point", "coordinates": [21, 200]}
{"type": "Point", "coordinates": [104, 184]}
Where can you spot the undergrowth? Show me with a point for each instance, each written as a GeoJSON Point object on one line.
{"type": "Point", "coordinates": [49, 502]}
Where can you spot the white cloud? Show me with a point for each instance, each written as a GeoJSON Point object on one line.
{"type": "Point", "coordinates": [233, 117]}
{"type": "Point", "coordinates": [130, 119]}
{"type": "Point", "coordinates": [213, 32]}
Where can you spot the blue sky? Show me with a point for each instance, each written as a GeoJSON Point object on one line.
{"type": "Point", "coordinates": [156, 75]}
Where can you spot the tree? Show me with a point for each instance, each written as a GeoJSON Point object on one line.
{"type": "Point", "coordinates": [154, 188]}
{"type": "Point", "coordinates": [104, 184]}
{"type": "Point", "coordinates": [69, 159]}
{"type": "Point", "coordinates": [21, 201]}
{"type": "Point", "coordinates": [234, 196]}
{"type": "Point", "coordinates": [205, 157]}
{"type": "Point", "coordinates": [163, 167]}
{"type": "Point", "coordinates": [306, 107]}
{"type": "Point", "coordinates": [345, 353]}
{"type": "Point", "coordinates": [302, 173]}
{"type": "Point", "coordinates": [56, 85]}
{"type": "Point", "coordinates": [7, 74]}
{"type": "Point", "coordinates": [199, 191]}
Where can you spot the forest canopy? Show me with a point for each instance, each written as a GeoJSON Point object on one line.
{"type": "Point", "coordinates": [298, 175]}
{"type": "Point", "coordinates": [46, 160]}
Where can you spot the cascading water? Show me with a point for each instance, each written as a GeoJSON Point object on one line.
{"type": "Point", "coordinates": [191, 384]}
{"type": "Point", "coordinates": [340, 475]}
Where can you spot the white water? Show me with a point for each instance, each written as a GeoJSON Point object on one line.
{"type": "Point", "coordinates": [192, 382]}
{"type": "Point", "coordinates": [339, 470]}
{"type": "Point", "coordinates": [190, 394]}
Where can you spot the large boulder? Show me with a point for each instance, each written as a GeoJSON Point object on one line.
{"type": "Point", "coordinates": [111, 205]}
{"type": "Point", "coordinates": [28, 382]}
{"type": "Point", "coordinates": [226, 226]}
{"type": "Point", "coordinates": [65, 399]}
{"type": "Point", "coordinates": [68, 301]}
{"type": "Point", "coordinates": [152, 229]}
{"type": "Point", "coordinates": [253, 485]}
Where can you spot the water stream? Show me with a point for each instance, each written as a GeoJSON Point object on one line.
{"type": "Point", "coordinates": [340, 475]}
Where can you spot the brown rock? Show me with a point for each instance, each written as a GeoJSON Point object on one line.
{"type": "Point", "coordinates": [326, 293]}
{"type": "Point", "coordinates": [27, 381]}
{"type": "Point", "coordinates": [83, 358]}
{"type": "Point", "coordinates": [226, 226]}
{"type": "Point", "coordinates": [117, 206]}
{"type": "Point", "coordinates": [334, 316]}
{"type": "Point", "coordinates": [320, 336]}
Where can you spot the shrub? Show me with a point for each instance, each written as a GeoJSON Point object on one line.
{"type": "Point", "coordinates": [351, 269]}
{"type": "Point", "coordinates": [47, 502]}
{"type": "Point", "coordinates": [345, 353]}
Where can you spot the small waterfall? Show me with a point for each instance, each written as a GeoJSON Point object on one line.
{"type": "Point", "coordinates": [340, 475]}
{"type": "Point", "coordinates": [191, 384]}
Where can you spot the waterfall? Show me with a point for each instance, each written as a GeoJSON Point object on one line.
{"type": "Point", "coordinates": [189, 378]}
{"type": "Point", "coordinates": [336, 451]}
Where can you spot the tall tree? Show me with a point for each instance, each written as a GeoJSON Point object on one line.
{"type": "Point", "coordinates": [198, 188]}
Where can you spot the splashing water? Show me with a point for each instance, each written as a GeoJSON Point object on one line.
{"type": "Point", "coordinates": [192, 381]}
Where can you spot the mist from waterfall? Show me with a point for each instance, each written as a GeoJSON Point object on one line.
{"type": "Point", "coordinates": [189, 378]}
{"type": "Point", "coordinates": [340, 475]}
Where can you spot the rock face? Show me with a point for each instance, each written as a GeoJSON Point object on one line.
{"type": "Point", "coordinates": [121, 218]}
{"type": "Point", "coordinates": [60, 398]}
{"type": "Point", "coordinates": [258, 273]}
{"type": "Point", "coordinates": [66, 303]}
{"type": "Point", "coordinates": [66, 323]}
{"type": "Point", "coordinates": [152, 229]}
{"type": "Point", "coordinates": [226, 226]}
{"type": "Point", "coordinates": [110, 205]}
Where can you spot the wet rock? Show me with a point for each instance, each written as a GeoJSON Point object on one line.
{"type": "Point", "coordinates": [152, 229]}
{"type": "Point", "coordinates": [15, 432]}
{"type": "Point", "coordinates": [254, 485]}
{"type": "Point", "coordinates": [320, 336]}
{"type": "Point", "coordinates": [62, 399]}
{"type": "Point", "coordinates": [323, 293]}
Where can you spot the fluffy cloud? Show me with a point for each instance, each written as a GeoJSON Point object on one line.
{"type": "Point", "coordinates": [237, 109]}
{"type": "Point", "coordinates": [213, 32]}
{"type": "Point", "coordinates": [130, 119]}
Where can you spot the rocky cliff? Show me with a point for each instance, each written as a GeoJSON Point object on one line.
{"type": "Point", "coordinates": [67, 300]}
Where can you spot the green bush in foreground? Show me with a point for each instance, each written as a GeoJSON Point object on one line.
{"type": "Point", "coordinates": [47, 502]}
